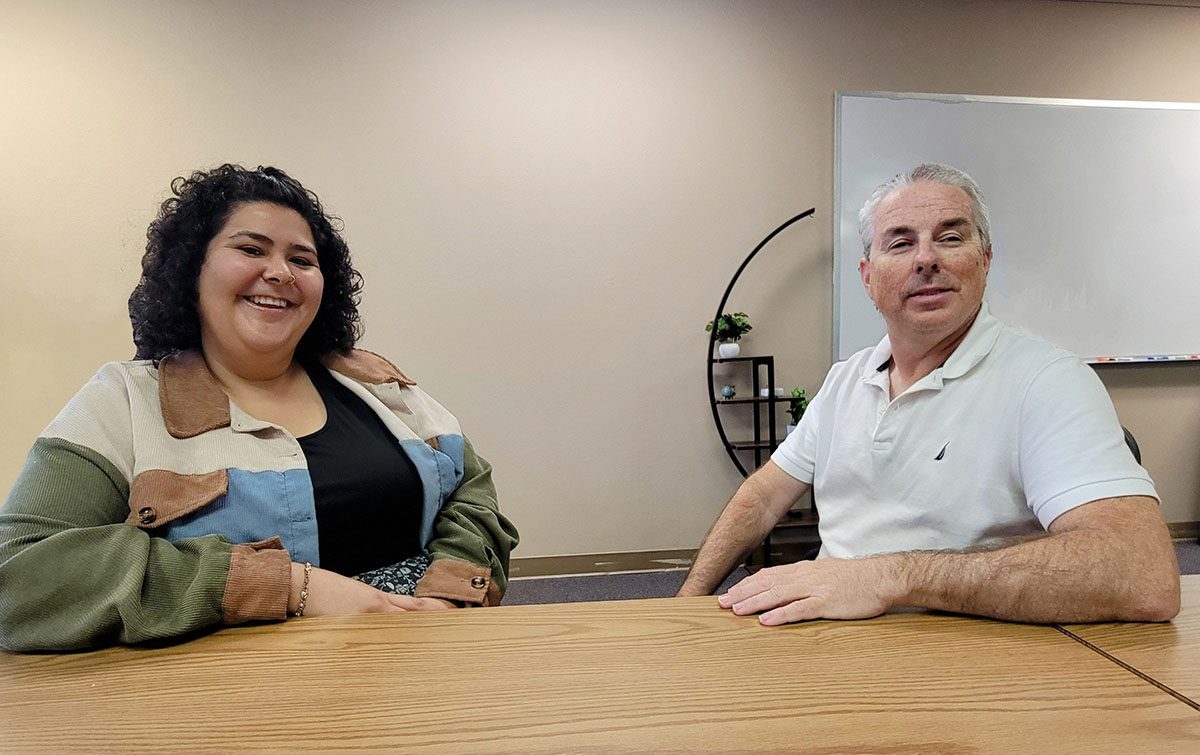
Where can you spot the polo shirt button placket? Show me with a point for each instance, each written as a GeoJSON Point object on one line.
{"type": "Point", "coordinates": [882, 436]}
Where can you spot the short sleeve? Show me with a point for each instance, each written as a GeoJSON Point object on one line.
{"type": "Point", "coordinates": [797, 455]}
{"type": "Point", "coordinates": [1071, 446]}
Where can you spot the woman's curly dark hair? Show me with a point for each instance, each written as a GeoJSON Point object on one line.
{"type": "Point", "coordinates": [163, 305]}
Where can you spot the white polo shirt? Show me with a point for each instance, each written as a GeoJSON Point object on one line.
{"type": "Point", "coordinates": [998, 442]}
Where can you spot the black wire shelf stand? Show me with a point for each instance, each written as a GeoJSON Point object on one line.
{"type": "Point", "coordinates": [759, 444]}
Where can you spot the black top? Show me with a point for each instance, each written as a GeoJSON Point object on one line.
{"type": "Point", "coordinates": [368, 493]}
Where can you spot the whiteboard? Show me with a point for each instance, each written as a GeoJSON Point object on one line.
{"type": "Point", "coordinates": [1095, 210]}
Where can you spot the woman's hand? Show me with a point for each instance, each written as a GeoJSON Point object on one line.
{"type": "Point", "coordinates": [423, 604]}
{"type": "Point", "coordinates": [331, 594]}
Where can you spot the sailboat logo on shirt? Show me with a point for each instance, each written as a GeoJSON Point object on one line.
{"type": "Point", "coordinates": [941, 453]}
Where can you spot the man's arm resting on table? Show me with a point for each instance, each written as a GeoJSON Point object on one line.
{"type": "Point", "coordinates": [1108, 560]}
{"type": "Point", "coordinates": [755, 508]}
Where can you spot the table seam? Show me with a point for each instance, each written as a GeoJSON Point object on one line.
{"type": "Point", "coordinates": [1141, 675]}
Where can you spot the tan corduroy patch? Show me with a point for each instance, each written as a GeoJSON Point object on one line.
{"type": "Point", "coordinates": [260, 579]}
{"type": "Point", "coordinates": [192, 400]}
{"type": "Point", "coordinates": [366, 367]}
{"type": "Point", "coordinates": [159, 496]}
{"type": "Point", "coordinates": [463, 581]}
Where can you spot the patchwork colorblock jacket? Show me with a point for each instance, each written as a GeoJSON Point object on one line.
{"type": "Point", "coordinates": [153, 506]}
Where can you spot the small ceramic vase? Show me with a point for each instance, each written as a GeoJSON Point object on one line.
{"type": "Point", "coordinates": [729, 349]}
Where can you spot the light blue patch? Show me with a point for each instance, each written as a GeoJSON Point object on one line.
{"type": "Point", "coordinates": [440, 475]}
{"type": "Point", "coordinates": [259, 505]}
{"type": "Point", "coordinates": [452, 448]}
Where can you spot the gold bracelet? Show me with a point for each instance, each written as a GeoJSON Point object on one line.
{"type": "Point", "coordinates": [303, 591]}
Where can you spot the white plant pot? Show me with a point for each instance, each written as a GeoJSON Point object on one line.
{"type": "Point", "coordinates": [729, 350]}
{"type": "Point", "coordinates": [788, 430]}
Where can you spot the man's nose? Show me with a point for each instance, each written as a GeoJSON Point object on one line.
{"type": "Point", "coordinates": [926, 260]}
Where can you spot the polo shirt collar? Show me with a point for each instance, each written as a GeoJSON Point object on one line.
{"type": "Point", "coordinates": [978, 343]}
{"type": "Point", "coordinates": [974, 347]}
{"type": "Point", "coordinates": [193, 402]}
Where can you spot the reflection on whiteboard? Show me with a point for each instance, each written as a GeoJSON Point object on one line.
{"type": "Point", "coordinates": [1095, 210]}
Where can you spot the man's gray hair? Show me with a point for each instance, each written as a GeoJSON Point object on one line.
{"type": "Point", "coordinates": [934, 173]}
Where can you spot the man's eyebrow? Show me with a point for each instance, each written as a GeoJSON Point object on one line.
{"type": "Point", "coordinates": [899, 230]}
{"type": "Point", "coordinates": [262, 239]}
{"type": "Point", "coordinates": [955, 223]}
{"type": "Point", "coordinates": [904, 230]}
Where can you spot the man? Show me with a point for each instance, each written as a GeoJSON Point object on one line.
{"type": "Point", "coordinates": [959, 465]}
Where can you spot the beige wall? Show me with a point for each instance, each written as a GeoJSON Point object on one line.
{"type": "Point", "coordinates": [546, 200]}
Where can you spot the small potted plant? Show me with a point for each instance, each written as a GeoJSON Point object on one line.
{"type": "Point", "coordinates": [796, 408]}
{"type": "Point", "coordinates": [730, 329]}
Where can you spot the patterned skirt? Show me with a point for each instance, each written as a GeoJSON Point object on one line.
{"type": "Point", "coordinates": [400, 578]}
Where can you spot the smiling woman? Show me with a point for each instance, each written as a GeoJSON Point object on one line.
{"type": "Point", "coordinates": [251, 464]}
{"type": "Point", "coordinates": [259, 288]}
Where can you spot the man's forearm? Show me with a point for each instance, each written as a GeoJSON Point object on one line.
{"type": "Point", "coordinates": [756, 507]}
{"type": "Point", "coordinates": [1075, 576]}
{"type": "Point", "coordinates": [736, 532]}
{"type": "Point", "coordinates": [1108, 560]}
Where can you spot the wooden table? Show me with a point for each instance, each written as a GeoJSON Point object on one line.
{"type": "Point", "coordinates": [651, 675]}
{"type": "Point", "coordinates": [1166, 654]}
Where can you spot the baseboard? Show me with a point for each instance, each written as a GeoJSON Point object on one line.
{"type": "Point", "coordinates": [603, 563]}
{"type": "Point", "coordinates": [1185, 530]}
{"type": "Point", "coordinates": [592, 563]}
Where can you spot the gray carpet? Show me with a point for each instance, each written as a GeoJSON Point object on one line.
{"type": "Point", "coordinates": [662, 584]}
{"type": "Point", "coordinates": [627, 586]}
{"type": "Point", "coordinates": [1189, 556]}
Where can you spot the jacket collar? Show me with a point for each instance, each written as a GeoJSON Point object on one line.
{"type": "Point", "coordinates": [193, 402]}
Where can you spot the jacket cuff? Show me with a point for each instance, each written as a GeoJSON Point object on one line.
{"type": "Point", "coordinates": [260, 579]}
{"type": "Point", "coordinates": [460, 581]}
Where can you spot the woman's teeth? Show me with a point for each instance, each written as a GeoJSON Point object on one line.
{"type": "Point", "coordinates": [268, 301]}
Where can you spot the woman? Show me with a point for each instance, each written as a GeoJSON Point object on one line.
{"type": "Point", "coordinates": [251, 461]}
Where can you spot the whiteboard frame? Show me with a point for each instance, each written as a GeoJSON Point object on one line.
{"type": "Point", "coordinates": [836, 215]}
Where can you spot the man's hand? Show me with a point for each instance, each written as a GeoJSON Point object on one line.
{"type": "Point", "coordinates": [830, 588]}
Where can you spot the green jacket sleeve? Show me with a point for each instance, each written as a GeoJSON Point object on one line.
{"type": "Point", "coordinates": [472, 540]}
{"type": "Point", "coordinates": [74, 575]}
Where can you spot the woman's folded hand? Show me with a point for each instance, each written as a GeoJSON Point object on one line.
{"type": "Point", "coordinates": [409, 603]}
{"type": "Point", "coordinates": [331, 594]}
